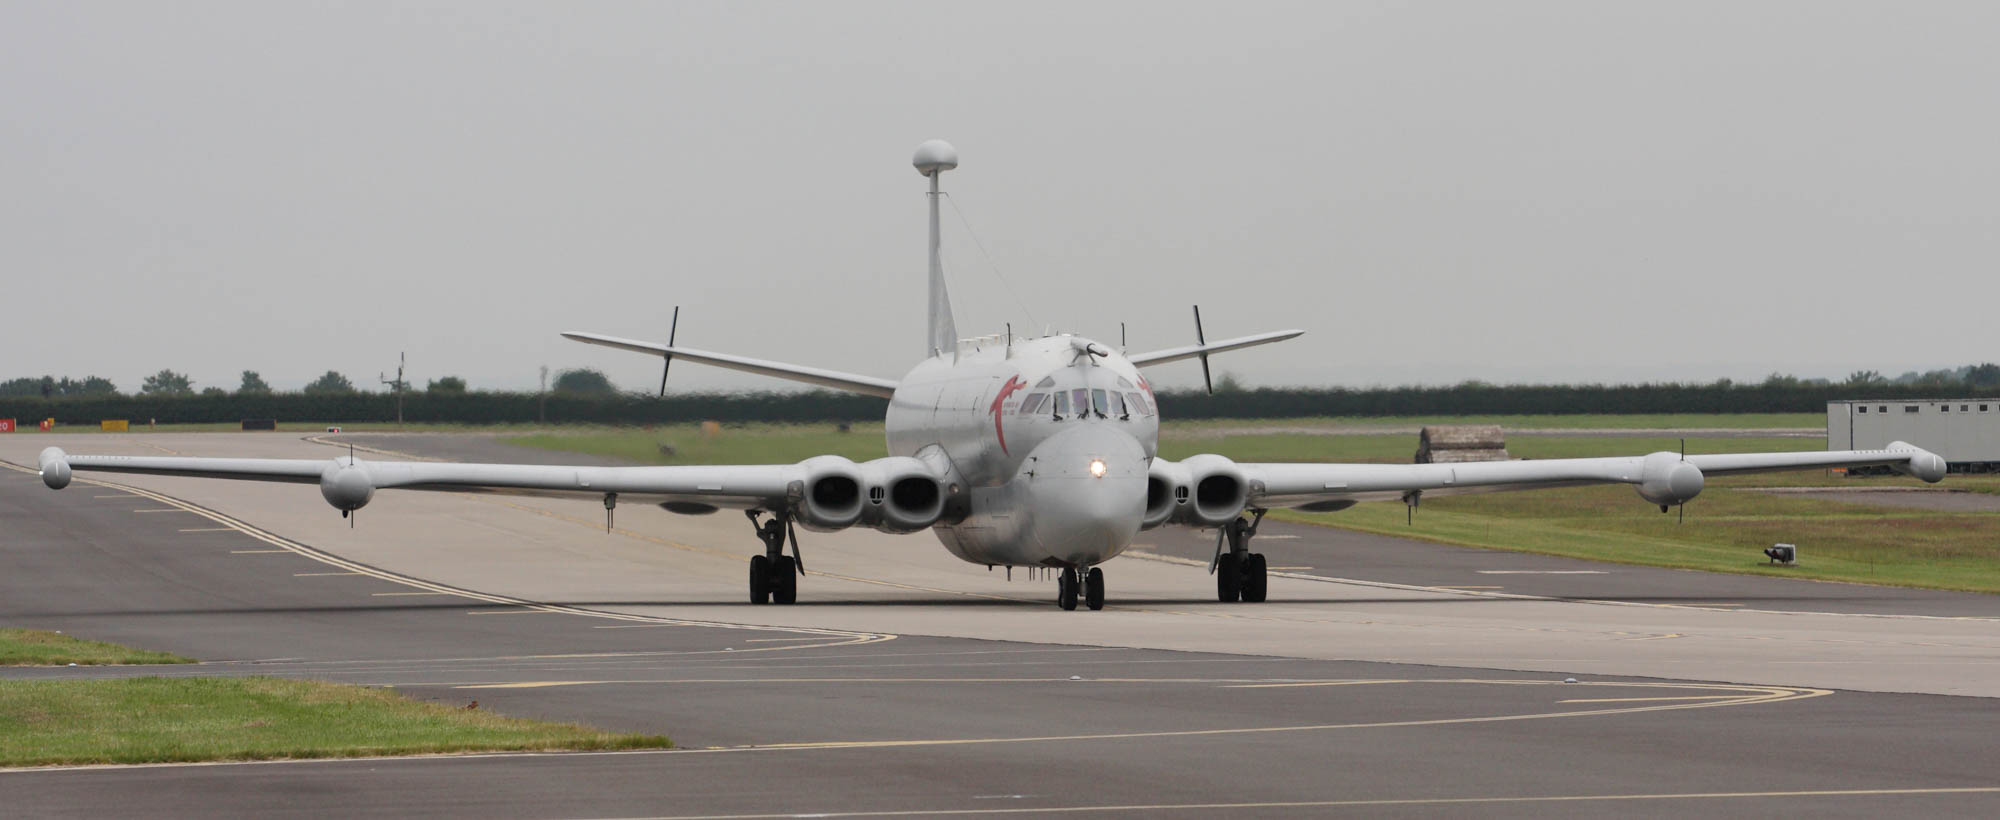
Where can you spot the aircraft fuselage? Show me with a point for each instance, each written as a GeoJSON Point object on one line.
{"type": "Point", "coordinates": [1051, 439]}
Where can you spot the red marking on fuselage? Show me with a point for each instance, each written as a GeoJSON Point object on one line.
{"type": "Point", "coordinates": [1013, 384]}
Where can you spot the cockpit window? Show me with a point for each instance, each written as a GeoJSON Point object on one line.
{"type": "Point", "coordinates": [1047, 381]}
{"type": "Point", "coordinates": [1123, 383]}
{"type": "Point", "coordinates": [1062, 404]}
{"type": "Point", "coordinates": [1033, 403]}
{"type": "Point", "coordinates": [1138, 402]}
{"type": "Point", "coordinates": [1117, 405]}
{"type": "Point", "coordinates": [1080, 399]}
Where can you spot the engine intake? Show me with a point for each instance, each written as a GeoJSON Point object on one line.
{"type": "Point", "coordinates": [1205, 490]}
{"type": "Point", "coordinates": [903, 495]}
{"type": "Point", "coordinates": [1167, 492]}
{"type": "Point", "coordinates": [832, 499]}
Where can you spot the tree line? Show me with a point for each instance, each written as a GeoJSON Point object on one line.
{"type": "Point", "coordinates": [479, 407]}
{"type": "Point", "coordinates": [169, 382]}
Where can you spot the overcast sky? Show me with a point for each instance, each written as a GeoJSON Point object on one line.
{"type": "Point", "coordinates": [1440, 191]}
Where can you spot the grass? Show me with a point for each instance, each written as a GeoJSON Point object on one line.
{"type": "Point", "coordinates": [34, 647]}
{"type": "Point", "coordinates": [158, 720]}
{"type": "Point", "coordinates": [1726, 528]}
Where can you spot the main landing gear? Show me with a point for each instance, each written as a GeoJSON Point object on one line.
{"type": "Point", "coordinates": [774, 576]}
{"type": "Point", "coordinates": [1239, 573]}
{"type": "Point", "coordinates": [1088, 586]}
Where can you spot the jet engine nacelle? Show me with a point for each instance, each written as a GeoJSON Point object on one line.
{"type": "Point", "coordinates": [831, 497]}
{"type": "Point", "coordinates": [902, 495]}
{"type": "Point", "coordinates": [346, 485]}
{"type": "Point", "coordinates": [1666, 480]}
{"type": "Point", "coordinates": [1205, 490]}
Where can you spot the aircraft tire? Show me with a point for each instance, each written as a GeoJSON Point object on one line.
{"type": "Point", "coordinates": [1254, 578]}
{"type": "Point", "coordinates": [1228, 579]}
{"type": "Point", "coordinates": [1093, 589]}
{"type": "Point", "coordinates": [784, 580]}
{"type": "Point", "coordinates": [1066, 590]}
{"type": "Point", "coordinates": [760, 579]}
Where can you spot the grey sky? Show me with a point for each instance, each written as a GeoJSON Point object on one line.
{"type": "Point", "coordinates": [1435, 192]}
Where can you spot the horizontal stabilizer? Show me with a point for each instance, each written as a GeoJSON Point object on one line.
{"type": "Point", "coordinates": [1175, 354]}
{"type": "Point", "coordinates": [865, 385]}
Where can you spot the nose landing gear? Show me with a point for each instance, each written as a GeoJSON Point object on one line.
{"type": "Point", "coordinates": [1087, 587]}
{"type": "Point", "coordinates": [1240, 573]}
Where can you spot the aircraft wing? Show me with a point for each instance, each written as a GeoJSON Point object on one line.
{"type": "Point", "coordinates": [1661, 478]}
{"type": "Point", "coordinates": [1175, 354]}
{"type": "Point", "coordinates": [348, 482]}
{"type": "Point", "coordinates": [849, 382]}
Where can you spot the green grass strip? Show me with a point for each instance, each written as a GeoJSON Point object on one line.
{"type": "Point", "coordinates": [163, 720]}
{"type": "Point", "coordinates": [34, 647]}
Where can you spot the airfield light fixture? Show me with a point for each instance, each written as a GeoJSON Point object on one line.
{"type": "Point", "coordinates": [1097, 468]}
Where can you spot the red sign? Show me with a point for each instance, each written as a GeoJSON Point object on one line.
{"type": "Point", "coordinates": [6, 425]}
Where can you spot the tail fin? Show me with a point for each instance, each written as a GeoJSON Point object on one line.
{"type": "Point", "coordinates": [932, 160]}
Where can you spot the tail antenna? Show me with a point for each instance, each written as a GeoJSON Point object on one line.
{"type": "Point", "coordinates": [1202, 340]}
{"type": "Point", "coordinates": [672, 331]}
{"type": "Point", "coordinates": [932, 160]}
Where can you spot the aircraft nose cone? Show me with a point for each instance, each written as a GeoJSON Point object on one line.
{"type": "Point", "coordinates": [1088, 492]}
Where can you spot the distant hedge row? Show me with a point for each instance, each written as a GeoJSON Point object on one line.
{"type": "Point", "coordinates": [486, 408]}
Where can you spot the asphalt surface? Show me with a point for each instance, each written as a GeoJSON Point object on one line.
{"type": "Point", "coordinates": [783, 719]}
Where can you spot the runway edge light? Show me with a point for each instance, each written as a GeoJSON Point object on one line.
{"type": "Point", "coordinates": [1786, 554]}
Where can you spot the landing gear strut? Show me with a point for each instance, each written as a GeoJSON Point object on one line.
{"type": "Point", "coordinates": [1239, 573]}
{"type": "Point", "coordinates": [1087, 587]}
{"type": "Point", "coordinates": [774, 576]}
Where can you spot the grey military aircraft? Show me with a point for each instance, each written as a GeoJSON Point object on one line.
{"type": "Point", "coordinates": [1015, 451]}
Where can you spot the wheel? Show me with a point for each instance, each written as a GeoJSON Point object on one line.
{"type": "Point", "coordinates": [1066, 590]}
{"type": "Point", "coordinates": [1228, 579]}
{"type": "Point", "coordinates": [1093, 589]}
{"type": "Point", "coordinates": [760, 579]}
{"type": "Point", "coordinates": [784, 580]}
{"type": "Point", "coordinates": [1254, 578]}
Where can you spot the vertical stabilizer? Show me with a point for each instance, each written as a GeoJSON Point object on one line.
{"type": "Point", "coordinates": [932, 160]}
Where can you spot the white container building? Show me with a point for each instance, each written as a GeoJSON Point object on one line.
{"type": "Point", "coordinates": [1966, 432]}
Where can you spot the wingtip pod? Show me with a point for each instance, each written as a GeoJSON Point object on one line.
{"type": "Point", "coordinates": [1666, 478]}
{"type": "Point", "coordinates": [54, 465]}
{"type": "Point", "coordinates": [1923, 463]}
{"type": "Point", "coordinates": [346, 484]}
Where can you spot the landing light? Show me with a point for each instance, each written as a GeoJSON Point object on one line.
{"type": "Point", "coordinates": [1097, 468]}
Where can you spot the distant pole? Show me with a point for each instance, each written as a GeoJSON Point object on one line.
{"type": "Point", "coordinates": [542, 403]}
{"type": "Point", "coordinates": [397, 385]}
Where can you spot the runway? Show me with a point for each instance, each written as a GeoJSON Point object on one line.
{"type": "Point", "coordinates": [905, 681]}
